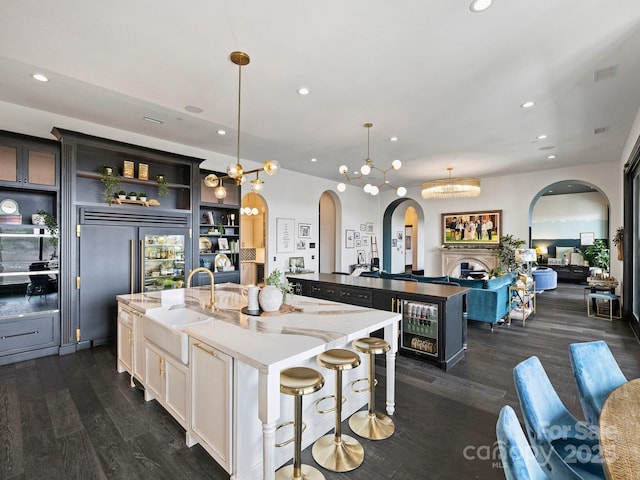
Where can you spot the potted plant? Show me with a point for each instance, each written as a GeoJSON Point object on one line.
{"type": "Point", "coordinates": [51, 225]}
{"type": "Point", "coordinates": [597, 254]}
{"type": "Point", "coordinates": [163, 189]}
{"type": "Point", "coordinates": [132, 195]}
{"type": "Point", "coordinates": [142, 196]}
{"type": "Point", "coordinates": [618, 241]}
{"type": "Point", "coordinates": [274, 293]}
{"type": "Point", "coordinates": [122, 195]}
{"type": "Point", "coordinates": [111, 180]}
{"type": "Point", "coordinates": [507, 253]}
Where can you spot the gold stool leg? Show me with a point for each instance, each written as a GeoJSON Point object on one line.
{"type": "Point", "coordinates": [371, 424]}
{"type": "Point", "coordinates": [337, 452]}
{"type": "Point", "coordinates": [298, 471]}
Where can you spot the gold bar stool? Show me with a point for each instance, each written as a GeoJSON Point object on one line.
{"type": "Point", "coordinates": [337, 452]}
{"type": "Point", "coordinates": [298, 381]}
{"type": "Point", "coordinates": [371, 424]}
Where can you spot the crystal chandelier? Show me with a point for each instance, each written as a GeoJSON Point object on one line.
{"type": "Point", "coordinates": [366, 169]}
{"type": "Point", "coordinates": [451, 187]}
{"type": "Point", "coordinates": [236, 172]}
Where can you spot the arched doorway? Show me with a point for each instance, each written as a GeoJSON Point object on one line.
{"type": "Point", "coordinates": [329, 221]}
{"type": "Point", "coordinates": [564, 218]}
{"type": "Point", "coordinates": [253, 238]}
{"type": "Point", "coordinates": [394, 235]}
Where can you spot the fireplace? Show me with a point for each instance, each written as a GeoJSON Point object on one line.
{"type": "Point", "coordinates": [480, 258]}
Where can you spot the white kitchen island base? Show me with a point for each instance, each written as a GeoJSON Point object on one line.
{"type": "Point", "coordinates": [235, 361]}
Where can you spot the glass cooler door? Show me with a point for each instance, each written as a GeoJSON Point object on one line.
{"type": "Point", "coordinates": [420, 327]}
{"type": "Point", "coordinates": [163, 261]}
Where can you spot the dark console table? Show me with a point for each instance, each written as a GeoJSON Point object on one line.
{"type": "Point", "coordinates": [571, 273]}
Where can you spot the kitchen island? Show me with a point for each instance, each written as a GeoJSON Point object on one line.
{"type": "Point", "coordinates": [231, 374]}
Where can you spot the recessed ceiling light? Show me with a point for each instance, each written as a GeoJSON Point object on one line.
{"type": "Point", "coordinates": [221, 132]}
{"type": "Point", "coordinates": [393, 139]}
{"type": "Point", "coordinates": [41, 77]}
{"type": "Point", "coordinates": [551, 157]}
{"type": "Point", "coordinates": [303, 91]}
{"type": "Point", "coordinates": [314, 159]}
{"type": "Point", "coordinates": [193, 109]}
{"type": "Point", "coordinates": [599, 130]}
{"type": "Point", "coordinates": [153, 120]}
{"type": "Point", "coordinates": [541, 137]}
{"type": "Point", "coordinates": [528, 104]}
{"type": "Point", "coordinates": [479, 5]}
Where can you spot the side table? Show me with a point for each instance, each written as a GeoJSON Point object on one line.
{"type": "Point", "coordinates": [522, 301]}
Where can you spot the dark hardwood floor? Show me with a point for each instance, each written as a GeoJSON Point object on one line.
{"type": "Point", "coordinates": [74, 417]}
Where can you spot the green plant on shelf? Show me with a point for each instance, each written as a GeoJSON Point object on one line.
{"type": "Point", "coordinates": [51, 225]}
{"type": "Point", "coordinates": [111, 180]}
{"type": "Point", "coordinates": [163, 188]}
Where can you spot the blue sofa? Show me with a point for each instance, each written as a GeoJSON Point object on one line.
{"type": "Point", "coordinates": [487, 301]}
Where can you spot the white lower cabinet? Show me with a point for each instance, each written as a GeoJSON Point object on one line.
{"type": "Point", "coordinates": [167, 381]}
{"type": "Point", "coordinates": [131, 356]}
{"type": "Point", "coordinates": [211, 402]}
{"type": "Point", "coordinates": [125, 344]}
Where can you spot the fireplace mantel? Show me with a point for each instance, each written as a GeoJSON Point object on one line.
{"type": "Point", "coordinates": [487, 258]}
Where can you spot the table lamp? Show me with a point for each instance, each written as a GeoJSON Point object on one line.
{"type": "Point", "coordinates": [541, 252]}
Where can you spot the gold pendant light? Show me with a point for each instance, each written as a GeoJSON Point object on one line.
{"type": "Point", "coordinates": [236, 171]}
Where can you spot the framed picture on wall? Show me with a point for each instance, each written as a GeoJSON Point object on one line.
{"type": "Point", "coordinates": [348, 239]}
{"type": "Point", "coordinates": [587, 238]}
{"type": "Point", "coordinates": [369, 228]}
{"type": "Point", "coordinates": [472, 228]}
{"type": "Point", "coordinates": [285, 235]}
{"type": "Point", "coordinates": [304, 230]}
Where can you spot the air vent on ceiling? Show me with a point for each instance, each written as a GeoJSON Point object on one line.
{"type": "Point", "coordinates": [605, 73]}
{"type": "Point", "coordinates": [598, 130]}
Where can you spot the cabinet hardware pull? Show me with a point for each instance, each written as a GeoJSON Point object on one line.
{"type": "Point", "coordinates": [131, 280]}
{"type": "Point", "coordinates": [210, 352]}
{"type": "Point", "coordinates": [393, 304]}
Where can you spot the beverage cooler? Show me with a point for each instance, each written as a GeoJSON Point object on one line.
{"type": "Point", "coordinates": [432, 330]}
{"type": "Point", "coordinates": [162, 261]}
{"type": "Point", "coordinates": [420, 327]}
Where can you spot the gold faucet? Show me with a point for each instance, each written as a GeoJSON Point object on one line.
{"type": "Point", "coordinates": [211, 305]}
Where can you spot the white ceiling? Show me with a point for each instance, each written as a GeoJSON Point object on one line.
{"type": "Point", "coordinates": [447, 82]}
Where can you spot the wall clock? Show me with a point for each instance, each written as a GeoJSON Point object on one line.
{"type": "Point", "coordinates": [8, 206]}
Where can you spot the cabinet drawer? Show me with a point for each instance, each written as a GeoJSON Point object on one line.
{"type": "Point", "coordinates": [356, 296]}
{"type": "Point", "coordinates": [28, 333]}
{"type": "Point", "coordinates": [324, 291]}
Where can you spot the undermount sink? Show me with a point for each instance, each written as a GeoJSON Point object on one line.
{"type": "Point", "coordinates": [165, 329]}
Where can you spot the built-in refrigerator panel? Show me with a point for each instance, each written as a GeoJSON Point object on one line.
{"type": "Point", "coordinates": [113, 261]}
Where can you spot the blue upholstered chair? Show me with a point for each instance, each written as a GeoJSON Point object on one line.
{"type": "Point", "coordinates": [597, 374]}
{"type": "Point", "coordinates": [565, 447]}
{"type": "Point", "coordinates": [518, 461]}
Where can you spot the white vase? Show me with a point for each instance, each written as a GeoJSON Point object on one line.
{"type": "Point", "coordinates": [270, 298]}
